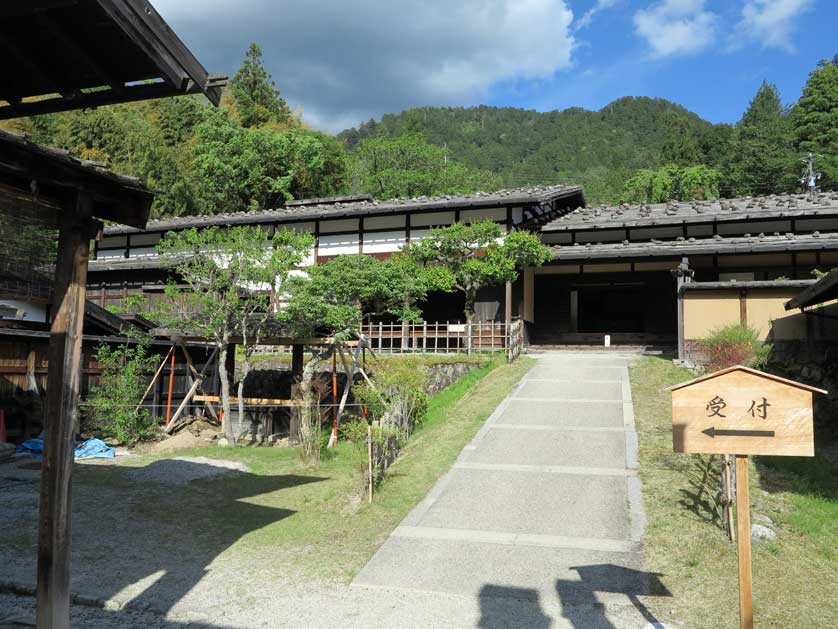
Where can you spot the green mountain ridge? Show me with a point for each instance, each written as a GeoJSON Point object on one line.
{"type": "Point", "coordinates": [597, 149]}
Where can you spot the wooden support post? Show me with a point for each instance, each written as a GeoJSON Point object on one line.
{"type": "Point", "coordinates": [154, 379]}
{"type": "Point", "coordinates": [743, 531]}
{"type": "Point", "coordinates": [334, 439]}
{"type": "Point", "coordinates": [683, 275]}
{"type": "Point", "coordinates": [369, 455]}
{"type": "Point", "coordinates": [507, 306]}
{"type": "Point", "coordinates": [64, 373]}
{"type": "Point", "coordinates": [171, 387]}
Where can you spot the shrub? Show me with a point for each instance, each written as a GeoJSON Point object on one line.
{"type": "Point", "coordinates": [125, 370]}
{"type": "Point", "coordinates": [396, 399]}
{"type": "Point", "coordinates": [735, 344]}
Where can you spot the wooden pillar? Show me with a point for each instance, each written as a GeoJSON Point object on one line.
{"type": "Point", "coordinates": [507, 309]}
{"type": "Point", "coordinates": [743, 540]}
{"type": "Point", "coordinates": [297, 360]}
{"type": "Point", "coordinates": [683, 275]}
{"type": "Point", "coordinates": [743, 307]}
{"type": "Point", "coordinates": [64, 373]}
{"type": "Point", "coordinates": [574, 311]}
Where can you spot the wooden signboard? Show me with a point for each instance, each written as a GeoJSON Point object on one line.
{"type": "Point", "coordinates": [743, 411]}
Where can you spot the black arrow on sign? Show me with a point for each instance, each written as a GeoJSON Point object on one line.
{"type": "Point", "coordinates": [713, 432]}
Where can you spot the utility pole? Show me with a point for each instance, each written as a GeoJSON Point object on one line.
{"type": "Point", "coordinates": [810, 179]}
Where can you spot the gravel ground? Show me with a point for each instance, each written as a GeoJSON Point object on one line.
{"type": "Point", "coordinates": [184, 469]}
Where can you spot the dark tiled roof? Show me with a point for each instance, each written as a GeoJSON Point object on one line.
{"type": "Point", "coordinates": [825, 289]}
{"type": "Point", "coordinates": [677, 213]}
{"type": "Point", "coordinates": [749, 284]}
{"type": "Point", "coordinates": [66, 158]}
{"type": "Point", "coordinates": [776, 243]}
{"type": "Point", "coordinates": [290, 213]}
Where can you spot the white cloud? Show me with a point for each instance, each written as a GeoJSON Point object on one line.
{"type": "Point", "coordinates": [771, 22]}
{"type": "Point", "coordinates": [344, 62]}
{"type": "Point", "coordinates": [674, 27]}
{"type": "Point", "coordinates": [590, 14]}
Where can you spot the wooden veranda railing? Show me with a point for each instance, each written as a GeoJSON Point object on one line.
{"type": "Point", "coordinates": [445, 337]}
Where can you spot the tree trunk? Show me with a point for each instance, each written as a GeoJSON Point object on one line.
{"type": "Point", "coordinates": [227, 424]}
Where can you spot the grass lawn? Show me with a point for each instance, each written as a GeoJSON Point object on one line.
{"type": "Point", "coordinates": [795, 576]}
{"type": "Point", "coordinates": [311, 523]}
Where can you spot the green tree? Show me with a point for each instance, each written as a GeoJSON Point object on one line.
{"type": "Point", "coordinates": [470, 257]}
{"type": "Point", "coordinates": [763, 158]}
{"type": "Point", "coordinates": [816, 120]}
{"type": "Point", "coordinates": [672, 183]}
{"type": "Point", "coordinates": [255, 93]}
{"type": "Point", "coordinates": [116, 399]}
{"type": "Point", "coordinates": [680, 145]}
{"type": "Point", "coordinates": [228, 282]}
{"type": "Point", "coordinates": [334, 298]}
{"type": "Point", "coordinates": [240, 169]}
{"type": "Point", "coordinates": [407, 166]}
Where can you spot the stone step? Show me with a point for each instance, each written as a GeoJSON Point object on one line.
{"type": "Point", "coordinates": [567, 413]}
{"type": "Point", "coordinates": [547, 390]}
{"type": "Point", "coordinates": [568, 505]}
{"type": "Point", "coordinates": [595, 449]}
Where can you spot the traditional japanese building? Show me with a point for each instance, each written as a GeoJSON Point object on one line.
{"type": "Point", "coordinates": [623, 271]}
{"type": "Point", "coordinates": [127, 263]}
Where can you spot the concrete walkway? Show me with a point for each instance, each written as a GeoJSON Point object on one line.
{"type": "Point", "coordinates": [543, 506]}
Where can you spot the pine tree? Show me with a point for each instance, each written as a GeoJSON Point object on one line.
{"type": "Point", "coordinates": [256, 96]}
{"type": "Point", "coordinates": [816, 120]}
{"type": "Point", "coordinates": [763, 160]}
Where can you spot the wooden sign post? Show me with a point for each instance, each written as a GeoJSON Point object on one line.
{"type": "Point", "coordinates": [743, 411]}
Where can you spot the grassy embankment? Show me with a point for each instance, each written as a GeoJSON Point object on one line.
{"type": "Point", "coordinates": [795, 576]}
{"type": "Point", "coordinates": [312, 523]}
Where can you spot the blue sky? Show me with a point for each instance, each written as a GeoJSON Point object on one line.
{"type": "Point", "coordinates": [343, 62]}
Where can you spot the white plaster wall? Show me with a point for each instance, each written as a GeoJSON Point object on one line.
{"type": "Point", "coordinates": [382, 242]}
{"type": "Point", "coordinates": [334, 245]}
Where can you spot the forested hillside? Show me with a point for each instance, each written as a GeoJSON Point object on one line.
{"type": "Point", "coordinates": [598, 149]}
{"type": "Point", "coordinates": [254, 152]}
{"type": "Point", "coordinates": [637, 148]}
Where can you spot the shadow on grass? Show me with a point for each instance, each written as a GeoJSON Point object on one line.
{"type": "Point", "coordinates": [148, 539]}
{"type": "Point", "coordinates": [703, 495]}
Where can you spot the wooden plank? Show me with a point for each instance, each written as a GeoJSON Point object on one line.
{"type": "Point", "coordinates": [154, 379]}
{"type": "Point", "coordinates": [170, 425]}
{"type": "Point", "coordinates": [65, 347]}
{"type": "Point", "coordinates": [248, 400]}
{"type": "Point", "coordinates": [743, 542]}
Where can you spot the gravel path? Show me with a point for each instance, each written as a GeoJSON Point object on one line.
{"type": "Point", "coordinates": [176, 575]}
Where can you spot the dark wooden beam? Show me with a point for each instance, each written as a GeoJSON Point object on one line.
{"type": "Point", "coordinates": [17, 9]}
{"type": "Point", "coordinates": [65, 349]}
{"type": "Point", "coordinates": [88, 100]}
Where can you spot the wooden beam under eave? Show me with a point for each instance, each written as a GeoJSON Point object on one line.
{"type": "Point", "coordinates": [64, 382]}
{"type": "Point", "coordinates": [87, 100]}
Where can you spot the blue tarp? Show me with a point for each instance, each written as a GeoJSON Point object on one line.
{"type": "Point", "coordinates": [90, 449]}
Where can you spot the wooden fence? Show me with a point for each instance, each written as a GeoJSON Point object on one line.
{"type": "Point", "coordinates": [445, 337]}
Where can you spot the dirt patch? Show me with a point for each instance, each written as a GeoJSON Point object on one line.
{"type": "Point", "coordinates": [195, 433]}
{"type": "Point", "coordinates": [185, 469]}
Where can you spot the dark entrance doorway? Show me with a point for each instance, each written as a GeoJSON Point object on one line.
{"type": "Point", "coordinates": [633, 308]}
